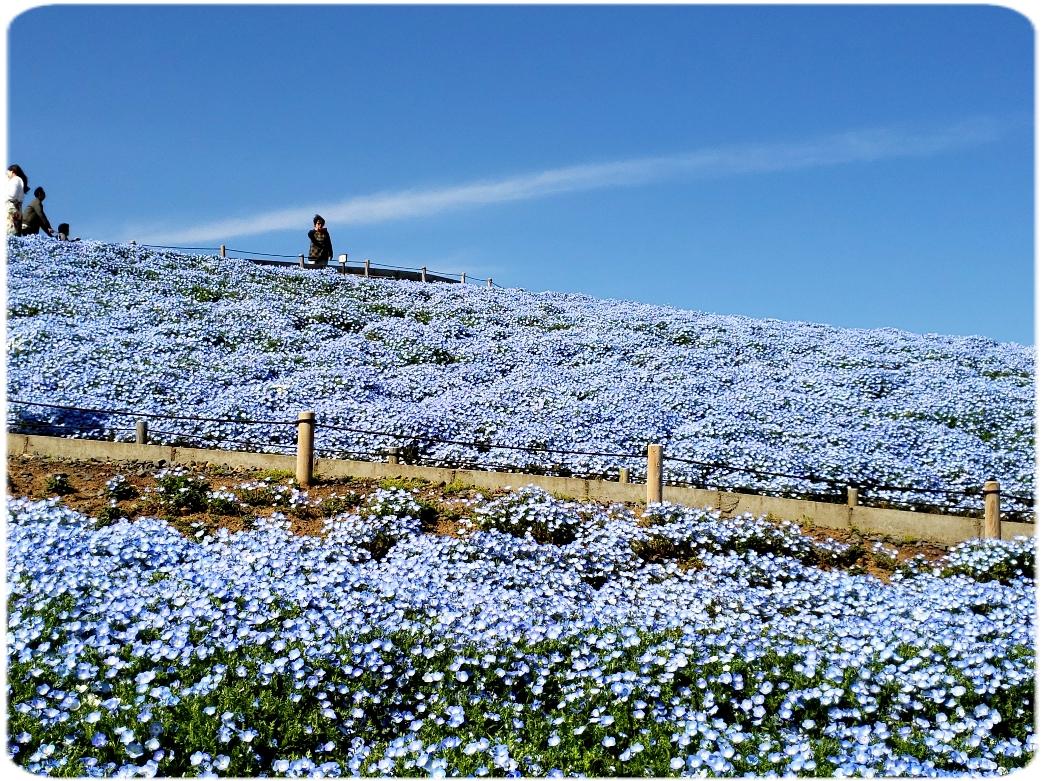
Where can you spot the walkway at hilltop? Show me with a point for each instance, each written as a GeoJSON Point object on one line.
{"type": "Point", "coordinates": [371, 271]}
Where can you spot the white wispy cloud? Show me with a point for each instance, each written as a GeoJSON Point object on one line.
{"type": "Point", "coordinates": [850, 147]}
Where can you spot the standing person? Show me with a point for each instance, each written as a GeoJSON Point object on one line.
{"type": "Point", "coordinates": [17, 184]}
{"type": "Point", "coordinates": [321, 241]}
{"type": "Point", "coordinates": [34, 218]}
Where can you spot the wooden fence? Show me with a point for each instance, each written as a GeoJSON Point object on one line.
{"type": "Point", "coordinates": [899, 524]}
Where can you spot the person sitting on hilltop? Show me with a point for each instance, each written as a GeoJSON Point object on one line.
{"type": "Point", "coordinates": [33, 219]}
{"type": "Point", "coordinates": [17, 183]}
{"type": "Point", "coordinates": [321, 241]}
{"type": "Point", "coordinates": [63, 232]}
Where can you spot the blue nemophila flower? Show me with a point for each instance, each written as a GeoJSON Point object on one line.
{"type": "Point", "coordinates": [742, 657]}
{"type": "Point", "coordinates": [544, 369]}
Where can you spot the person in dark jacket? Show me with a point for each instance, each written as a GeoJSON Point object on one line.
{"type": "Point", "coordinates": [34, 218]}
{"type": "Point", "coordinates": [321, 241]}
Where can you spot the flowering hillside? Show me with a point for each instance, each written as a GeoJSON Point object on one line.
{"type": "Point", "coordinates": [455, 370]}
{"type": "Point", "coordinates": [547, 638]}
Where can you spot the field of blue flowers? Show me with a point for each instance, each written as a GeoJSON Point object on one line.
{"type": "Point", "coordinates": [103, 326]}
{"type": "Point", "coordinates": [545, 638]}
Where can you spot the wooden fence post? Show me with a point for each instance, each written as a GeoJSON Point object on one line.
{"type": "Point", "coordinates": [423, 274]}
{"type": "Point", "coordinates": [623, 475]}
{"type": "Point", "coordinates": [462, 278]}
{"type": "Point", "coordinates": [992, 510]}
{"type": "Point", "coordinates": [305, 448]}
{"type": "Point", "coordinates": [653, 474]}
{"type": "Point", "coordinates": [852, 495]}
{"type": "Point", "coordinates": [366, 267]}
{"type": "Point", "coordinates": [301, 260]}
{"type": "Point", "coordinates": [392, 455]}
{"type": "Point", "coordinates": [490, 282]}
{"type": "Point", "coordinates": [141, 432]}
{"type": "Point", "coordinates": [223, 251]}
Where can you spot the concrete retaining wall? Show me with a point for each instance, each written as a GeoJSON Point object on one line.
{"type": "Point", "coordinates": [897, 524]}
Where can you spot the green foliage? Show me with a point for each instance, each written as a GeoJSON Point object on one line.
{"type": "Point", "coordinates": [304, 287]}
{"type": "Point", "coordinates": [984, 562]}
{"type": "Point", "coordinates": [520, 695]}
{"type": "Point", "coordinates": [119, 489]}
{"type": "Point", "coordinates": [544, 324]}
{"type": "Point", "coordinates": [665, 540]}
{"type": "Point", "coordinates": [436, 356]}
{"type": "Point", "coordinates": [257, 495]}
{"type": "Point", "coordinates": [531, 511]}
{"type": "Point", "coordinates": [222, 505]}
{"type": "Point", "coordinates": [109, 515]}
{"type": "Point", "coordinates": [276, 475]}
{"type": "Point", "coordinates": [397, 500]}
{"type": "Point", "coordinates": [428, 515]}
{"type": "Point", "coordinates": [1000, 374]}
{"type": "Point", "coordinates": [882, 557]}
{"type": "Point", "coordinates": [179, 492]}
{"type": "Point", "coordinates": [383, 309]}
{"type": "Point", "coordinates": [205, 295]}
{"type": "Point", "coordinates": [23, 310]}
{"type": "Point", "coordinates": [337, 505]}
{"type": "Point", "coordinates": [303, 511]}
{"type": "Point", "coordinates": [457, 488]}
{"type": "Point", "coordinates": [844, 558]}
{"type": "Point", "coordinates": [448, 512]}
{"type": "Point", "coordinates": [338, 318]}
{"type": "Point", "coordinates": [59, 484]}
{"type": "Point", "coordinates": [404, 483]}
{"type": "Point", "coordinates": [656, 547]}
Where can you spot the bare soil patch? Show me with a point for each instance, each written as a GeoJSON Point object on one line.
{"type": "Point", "coordinates": [34, 477]}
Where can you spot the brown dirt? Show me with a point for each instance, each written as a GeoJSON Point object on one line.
{"type": "Point", "coordinates": [905, 550]}
{"type": "Point", "coordinates": [28, 476]}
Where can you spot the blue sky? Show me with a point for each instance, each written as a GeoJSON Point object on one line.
{"type": "Point", "coordinates": [860, 166]}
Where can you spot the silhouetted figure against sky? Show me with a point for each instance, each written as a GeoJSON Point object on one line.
{"type": "Point", "coordinates": [63, 232]}
{"type": "Point", "coordinates": [33, 218]}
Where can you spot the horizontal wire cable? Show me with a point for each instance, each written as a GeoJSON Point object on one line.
{"type": "Point", "coordinates": [437, 459]}
{"type": "Point", "coordinates": [333, 453]}
{"type": "Point", "coordinates": [484, 446]}
{"type": "Point", "coordinates": [31, 424]}
{"type": "Point", "coordinates": [212, 440]}
{"type": "Point", "coordinates": [357, 269]}
{"type": "Point", "coordinates": [750, 470]}
{"type": "Point", "coordinates": [429, 271]}
{"type": "Point", "coordinates": [165, 246]}
{"type": "Point", "coordinates": [912, 490]}
{"type": "Point", "coordinates": [475, 445]}
{"type": "Point", "coordinates": [830, 480]}
{"type": "Point", "coordinates": [206, 439]}
{"type": "Point", "coordinates": [159, 415]}
{"type": "Point", "coordinates": [264, 254]}
{"type": "Point", "coordinates": [1024, 499]}
{"type": "Point", "coordinates": [395, 268]}
{"type": "Point", "coordinates": [467, 465]}
{"type": "Point", "coordinates": [247, 253]}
